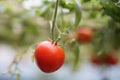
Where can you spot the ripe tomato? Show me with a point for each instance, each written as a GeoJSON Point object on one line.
{"type": "Point", "coordinates": [49, 56]}
{"type": "Point", "coordinates": [84, 34]}
{"type": "Point", "coordinates": [95, 59]}
{"type": "Point", "coordinates": [111, 59]}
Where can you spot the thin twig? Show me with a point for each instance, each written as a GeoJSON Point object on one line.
{"type": "Point", "coordinates": [92, 8]}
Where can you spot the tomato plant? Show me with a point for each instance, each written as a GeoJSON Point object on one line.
{"type": "Point", "coordinates": [62, 18]}
{"type": "Point", "coordinates": [49, 56]}
{"type": "Point", "coordinates": [84, 34]}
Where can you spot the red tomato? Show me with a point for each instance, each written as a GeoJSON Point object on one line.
{"type": "Point", "coordinates": [95, 60]}
{"type": "Point", "coordinates": [49, 56]}
{"type": "Point", "coordinates": [84, 34]}
{"type": "Point", "coordinates": [111, 59]}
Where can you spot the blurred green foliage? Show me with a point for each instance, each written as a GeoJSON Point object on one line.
{"type": "Point", "coordinates": [19, 27]}
{"type": "Point", "coordinates": [111, 9]}
{"type": "Point", "coordinates": [24, 27]}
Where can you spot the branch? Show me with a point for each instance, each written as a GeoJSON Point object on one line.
{"type": "Point", "coordinates": [92, 8]}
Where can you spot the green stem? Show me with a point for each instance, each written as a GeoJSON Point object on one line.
{"type": "Point", "coordinates": [54, 19]}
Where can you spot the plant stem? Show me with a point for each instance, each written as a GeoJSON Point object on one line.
{"type": "Point", "coordinates": [54, 19]}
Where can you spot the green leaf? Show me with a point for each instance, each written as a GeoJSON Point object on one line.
{"type": "Point", "coordinates": [115, 0]}
{"type": "Point", "coordinates": [68, 5]}
{"type": "Point", "coordinates": [47, 12]}
{"type": "Point", "coordinates": [78, 13]}
{"type": "Point", "coordinates": [112, 9]}
{"type": "Point", "coordinates": [76, 54]}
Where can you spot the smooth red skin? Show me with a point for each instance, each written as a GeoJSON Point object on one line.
{"type": "Point", "coordinates": [111, 59]}
{"type": "Point", "coordinates": [49, 57]}
{"type": "Point", "coordinates": [95, 60]}
{"type": "Point", "coordinates": [84, 34]}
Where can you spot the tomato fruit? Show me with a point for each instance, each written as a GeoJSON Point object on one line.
{"type": "Point", "coordinates": [111, 59]}
{"type": "Point", "coordinates": [84, 34]}
{"type": "Point", "coordinates": [95, 60]}
{"type": "Point", "coordinates": [49, 56]}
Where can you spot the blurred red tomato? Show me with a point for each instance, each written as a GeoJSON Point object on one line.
{"type": "Point", "coordinates": [111, 58]}
{"type": "Point", "coordinates": [95, 59]}
{"type": "Point", "coordinates": [84, 34]}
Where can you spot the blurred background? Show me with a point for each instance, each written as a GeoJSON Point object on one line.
{"type": "Point", "coordinates": [25, 23]}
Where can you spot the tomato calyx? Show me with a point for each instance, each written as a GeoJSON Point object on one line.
{"type": "Point", "coordinates": [54, 43]}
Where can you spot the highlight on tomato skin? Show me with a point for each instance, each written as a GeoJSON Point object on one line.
{"type": "Point", "coordinates": [84, 35]}
{"type": "Point", "coordinates": [49, 56]}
